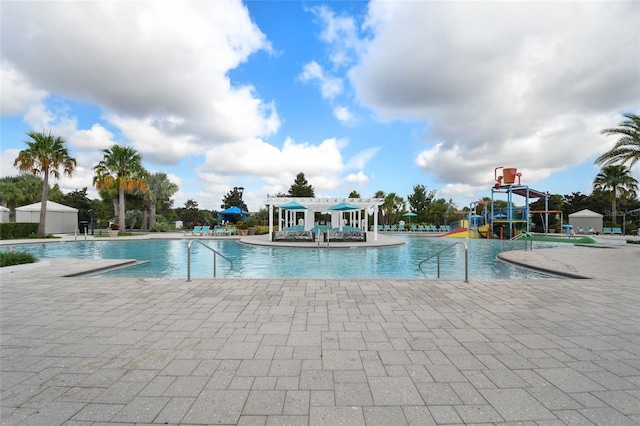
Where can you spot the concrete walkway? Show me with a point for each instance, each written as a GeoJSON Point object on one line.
{"type": "Point", "coordinates": [83, 351]}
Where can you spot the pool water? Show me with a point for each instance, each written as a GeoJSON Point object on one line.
{"type": "Point", "coordinates": [168, 259]}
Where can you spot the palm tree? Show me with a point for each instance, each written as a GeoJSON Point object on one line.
{"type": "Point", "coordinates": [628, 147]}
{"type": "Point", "coordinates": [121, 168]}
{"type": "Point", "coordinates": [44, 155]}
{"type": "Point", "coordinates": [615, 177]}
{"type": "Point", "coordinates": [393, 205]}
{"type": "Point", "coordinates": [161, 189]}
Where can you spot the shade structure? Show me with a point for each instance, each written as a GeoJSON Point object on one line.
{"type": "Point", "coordinates": [410, 214]}
{"type": "Point", "coordinates": [227, 213]}
{"type": "Point", "coordinates": [344, 207]}
{"type": "Point", "coordinates": [292, 205]}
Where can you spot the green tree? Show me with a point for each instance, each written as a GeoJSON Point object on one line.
{"type": "Point", "coordinates": [615, 178]}
{"type": "Point", "coordinates": [234, 199]}
{"type": "Point", "coordinates": [627, 149]}
{"type": "Point", "coordinates": [44, 155]}
{"type": "Point", "coordinates": [161, 189]}
{"type": "Point", "coordinates": [440, 210]}
{"type": "Point", "coordinates": [190, 214]}
{"type": "Point", "coordinates": [301, 188]}
{"type": "Point", "coordinates": [121, 168]}
{"type": "Point", "coordinates": [78, 199]}
{"type": "Point", "coordinates": [20, 190]}
{"type": "Point", "coordinates": [354, 194]}
{"type": "Point", "coordinates": [419, 201]}
{"type": "Point", "coordinates": [392, 206]}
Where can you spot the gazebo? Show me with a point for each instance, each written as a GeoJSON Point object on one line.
{"type": "Point", "coordinates": [586, 219]}
{"type": "Point", "coordinates": [60, 218]}
{"type": "Point", "coordinates": [4, 214]}
{"type": "Point", "coordinates": [358, 211]}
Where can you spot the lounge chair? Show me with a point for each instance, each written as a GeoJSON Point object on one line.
{"type": "Point", "coordinates": [606, 230]}
{"type": "Point", "coordinates": [401, 228]}
{"type": "Point", "coordinates": [230, 231]}
{"type": "Point", "coordinates": [414, 228]}
{"type": "Point", "coordinates": [387, 228]}
{"type": "Point", "coordinates": [616, 231]}
{"type": "Point", "coordinates": [218, 231]}
{"type": "Point", "coordinates": [394, 227]}
{"type": "Point", "coordinates": [422, 228]}
{"type": "Point", "coordinates": [205, 230]}
{"type": "Point", "coordinates": [194, 231]}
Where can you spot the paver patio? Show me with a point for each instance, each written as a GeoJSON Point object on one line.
{"type": "Point", "coordinates": [319, 352]}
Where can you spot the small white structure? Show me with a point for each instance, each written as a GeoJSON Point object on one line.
{"type": "Point", "coordinates": [4, 214]}
{"type": "Point", "coordinates": [586, 220]}
{"type": "Point", "coordinates": [60, 219]}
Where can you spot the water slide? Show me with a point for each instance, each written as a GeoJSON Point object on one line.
{"type": "Point", "coordinates": [476, 232]}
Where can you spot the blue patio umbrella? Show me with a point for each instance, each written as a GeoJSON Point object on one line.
{"type": "Point", "coordinates": [226, 213]}
{"type": "Point", "coordinates": [344, 207]}
{"type": "Point", "coordinates": [292, 205]}
{"type": "Point", "coordinates": [409, 215]}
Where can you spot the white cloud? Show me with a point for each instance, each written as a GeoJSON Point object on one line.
{"type": "Point", "coordinates": [506, 83]}
{"type": "Point", "coordinates": [6, 162]}
{"type": "Point", "coordinates": [156, 62]}
{"type": "Point", "coordinates": [340, 33]}
{"type": "Point", "coordinates": [343, 114]}
{"type": "Point", "coordinates": [271, 169]}
{"type": "Point", "coordinates": [96, 138]}
{"type": "Point", "coordinates": [17, 94]}
{"type": "Point", "coordinates": [330, 87]}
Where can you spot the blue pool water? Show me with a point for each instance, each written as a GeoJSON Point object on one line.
{"type": "Point", "coordinates": [168, 259]}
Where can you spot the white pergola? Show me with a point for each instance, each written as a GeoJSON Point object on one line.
{"type": "Point", "coordinates": [359, 218]}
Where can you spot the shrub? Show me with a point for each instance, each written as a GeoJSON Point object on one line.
{"type": "Point", "coordinates": [261, 230]}
{"type": "Point", "coordinates": [10, 258]}
{"type": "Point", "coordinates": [13, 230]}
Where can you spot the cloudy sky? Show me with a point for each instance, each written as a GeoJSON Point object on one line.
{"type": "Point", "coordinates": [364, 96]}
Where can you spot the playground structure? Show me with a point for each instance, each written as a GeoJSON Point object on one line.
{"type": "Point", "coordinates": [501, 222]}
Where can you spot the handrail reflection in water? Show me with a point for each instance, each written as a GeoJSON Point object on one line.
{"type": "Point", "coordinates": [437, 255]}
{"type": "Point", "coordinates": [214, 258]}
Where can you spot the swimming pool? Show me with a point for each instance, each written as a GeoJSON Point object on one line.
{"type": "Point", "coordinates": [168, 259]}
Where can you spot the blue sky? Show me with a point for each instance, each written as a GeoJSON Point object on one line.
{"type": "Point", "coordinates": [364, 96]}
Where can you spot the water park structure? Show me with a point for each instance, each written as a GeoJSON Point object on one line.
{"type": "Point", "coordinates": [485, 220]}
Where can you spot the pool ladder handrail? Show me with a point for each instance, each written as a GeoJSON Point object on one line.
{"type": "Point", "coordinates": [528, 241]}
{"type": "Point", "coordinates": [215, 252]}
{"type": "Point", "coordinates": [437, 255]}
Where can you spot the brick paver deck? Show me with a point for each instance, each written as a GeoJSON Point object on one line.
{"type": "Point", "coordinates": [82, 351]}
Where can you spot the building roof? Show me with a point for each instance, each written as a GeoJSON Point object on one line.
{"type": "Point", "coordinates": [51, 207]}
{"type": "Point", "coordinates": [585, 213]}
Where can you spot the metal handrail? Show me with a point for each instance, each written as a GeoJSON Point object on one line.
{"type": "Point", "coordinates": [437, 255]}
{"type": "Point", "coordinates": [527, 239]}
{"type": "Point", "coordinates": [214, 258]}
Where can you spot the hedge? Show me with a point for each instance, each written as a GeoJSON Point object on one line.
{"type": "Point", "coordinates": [14, 230]}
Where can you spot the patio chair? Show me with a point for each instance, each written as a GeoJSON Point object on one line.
{"type": "Point", "coordinates": [194, 231]}
{"type": "Point", "coordinates": [204, 230]}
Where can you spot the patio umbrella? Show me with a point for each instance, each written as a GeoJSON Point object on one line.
{"type": "Point", "coordinates": [292, 205]}
{"type": "Point", "coordinates": [344, 207]}
{"type": "Point", "coordinates": [409, 215]}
